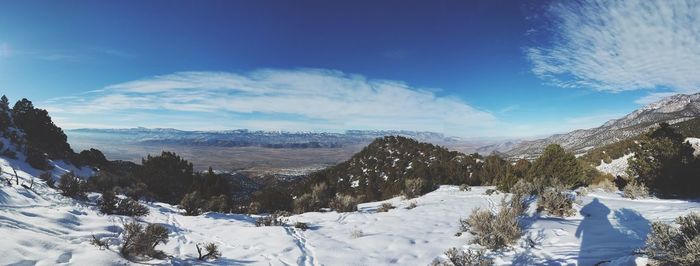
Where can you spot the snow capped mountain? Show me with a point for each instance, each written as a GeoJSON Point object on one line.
{"type": "Point", "coordinates": [672, 109]}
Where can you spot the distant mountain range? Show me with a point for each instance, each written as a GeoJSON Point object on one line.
{"type": "Point", "coordinates": [673, 109]}
{"type": "Point", "coordinates": [249, 138]}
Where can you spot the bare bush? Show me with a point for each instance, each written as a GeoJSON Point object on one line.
{"type": "Point", "coordinates": [675, 245]}
{"type": "Point", "coordinates": [344, 203]}
{"type": "Point", "coordinates": [102, 244]}
{"type": "Point", "coordinates": [555, 202]}
{"type": "Point", "coordinates": [356, 234]}
{"type": "Point", "coordinates": [254, 207]}
{"type": "Point", "coordinates": [412, 205]}
{"type": "Point", "coordinates": [606, 185]}
{"type": "Point", "coordinates": [385, 207]}
{"type": "Point", "coordinates": [320, 196]}
{"type": "Point", "coordinates": [493, 231]}
{"type": "Point", "coordinates": [635, 190]}
{"type": "Point", "coordinates": [140, 241]}
{"type": "Point", "coordinates": [470, 257]}
{"type": "Point", "coordinates": [413, 187]}
{"type": "Point", "coordinates": [212, 251]}
{"type": "Point", "coordinates": [303, 204]}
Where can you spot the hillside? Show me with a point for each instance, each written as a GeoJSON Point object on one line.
{"type": "Point", "coordinates": [381, 169]}
{"type": "Point", "coordinates": [673, 110]}
{"type": "Point", "coordinates": [612, 151]}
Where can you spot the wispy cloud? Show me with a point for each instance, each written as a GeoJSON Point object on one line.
{"type": "Point", "coordinates": [614, 45]}
{"type": "Point", "coordinates": [7, 51]}
{"type": "Point", "coordinates": [281, 99]}
{"type": "Point", "coordinates": [509, 108]}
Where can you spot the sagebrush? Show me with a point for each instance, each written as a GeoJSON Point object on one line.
{"type": "Point", "coordinates": [675, 245]}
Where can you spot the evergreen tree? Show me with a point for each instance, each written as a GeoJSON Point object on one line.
{"type": "Point", "coordinates": [5, 120]}
{"type": "Point", "coordinates": [664, 162]}
{"type": "Point", "coordinates": [167, 176]}
{"type": "Point", "coordinates": [41, 132]}
{"type": "Point", "coordinates": [557, 164]}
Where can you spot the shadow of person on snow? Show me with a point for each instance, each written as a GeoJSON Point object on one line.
{"type": "Point", "coordinates": [601, 241]}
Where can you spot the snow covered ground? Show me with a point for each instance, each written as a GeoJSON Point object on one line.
{"type": "Point", "coordinates": [41, 227]}
{"type": "Point", "coordinates": [617, 167]}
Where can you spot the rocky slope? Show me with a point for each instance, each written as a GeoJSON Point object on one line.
{"type": "Point", "coordinates": [673, 109]}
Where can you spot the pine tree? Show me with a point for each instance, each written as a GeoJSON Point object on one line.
{"type": "Point", "coordinates": [5, 120]}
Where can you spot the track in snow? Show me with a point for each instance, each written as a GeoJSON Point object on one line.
{"type": "Point", "coordinates": [307, 253]}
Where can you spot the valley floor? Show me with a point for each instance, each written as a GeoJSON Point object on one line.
{"type": "Point", "coordinates": [41, 227]}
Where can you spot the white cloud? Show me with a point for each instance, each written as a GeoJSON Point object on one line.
{"type": "Point", "coordinates": [279, 99]}
{"type": "Point", "coordinates": [653, 97]}
{"type": "Point", "coordinates": [613, 45]}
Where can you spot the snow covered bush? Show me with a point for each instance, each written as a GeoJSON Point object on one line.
{"type": "Point", "coordinates": [357, 233]}
{"type": "Point", "coordinates": [464, 187]}
{"type": "Point", "coordinates": [635, 190]}
{"type": "Point", "coordinates": [413, 187]}
{"type": "Point", "coordinates": [344, 203]}
{"type": "Point", "coordinates": [523, 188]}
{"type": "Point", "coordinates": [469, 257]}
{"type": "Point", "coordinates": [491, 191]}
{"type": "Point", "coordinates": [268, 220]}
{"type": "Point", "coordinates": [191, 203]}
{"type": "Point", "coordinates": [71, 186]}
{"type": "Point", "coordinates": [385, 207]}
{"type": "Point", "coordinates": [671, 245]}
{"type": "Point", "coordinates": [212, 251]}
{"type": "Point", "coordinates": [555, 202]}
{"type": "Point", "coordinates": [494, 231]}
{"type": "Point", "coordinates": [139, 241]}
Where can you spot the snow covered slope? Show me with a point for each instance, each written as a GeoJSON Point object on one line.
{"type": "Point", "coordinates": [41, 227]}
{"type": "Point", "coordinates": [617, 167]}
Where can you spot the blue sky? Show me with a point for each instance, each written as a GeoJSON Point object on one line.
{"type": "Point", "coordinates": [465, 68]}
